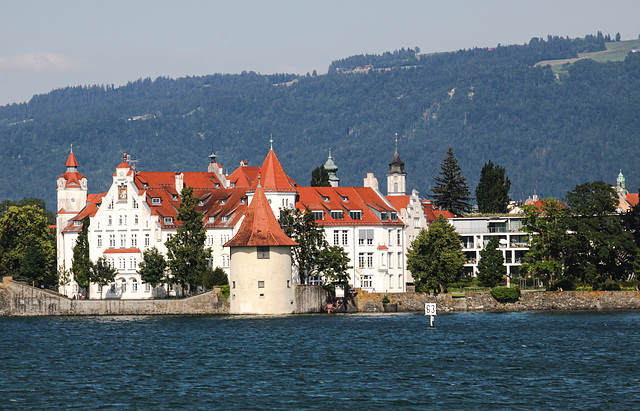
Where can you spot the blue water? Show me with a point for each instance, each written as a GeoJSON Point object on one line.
{"type": "Point", "coordinates": [468, 361]}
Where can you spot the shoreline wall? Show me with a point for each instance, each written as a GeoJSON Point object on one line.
{"type": "Point", "coordinates": [21, 299]}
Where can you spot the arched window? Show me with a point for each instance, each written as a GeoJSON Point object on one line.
{"type": "Point", "coordinates": [134, 285]}
{"type": "Point", "coordinates": [122, 264]}
{"type": "Point", "coordinates": [225, 260]}
{"type": "Point", "coordinates": [123, 285]}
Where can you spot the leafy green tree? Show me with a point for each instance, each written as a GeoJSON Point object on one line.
{"type": "Point", "coordinates": [302, 228]}
{"type": "Point", "coordinates": [187, 257]}
{"type": "Point", "coordinates": [27, 246]}
{"type": "Point", "coordinates": [102, 273]}
{"type": "Point", "coordinates": [334, 265]}
{"type": "Point", "coordinates": [450, 191]}
{"type": "Point", "coordinates": [320, 177]}
{"type": "Point", "coordinates": [215, 277]}
{"type": "Point", "coordinates": [4, 207]}
{"type": "Point", "coordinates": [599, 249]}
{"type": "Point", "coordinates": [152, 268]}
{"type": "Point", "coordinates": [81, 262]}
{"type": "Point", "coordinates": [435, 257]}
{"type": "Point", "coordinates": [548, 234]}
{"type": "Point", "coordinates": [491, 268]}
{"type": "Point", "coordinates": [492, 192]}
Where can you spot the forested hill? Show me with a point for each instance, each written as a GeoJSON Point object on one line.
{"type": "Point", "coordinates": [549, 133]}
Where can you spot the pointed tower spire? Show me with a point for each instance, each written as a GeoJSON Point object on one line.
{"type": "Point", "coordinates": [397, 176]}
{"type": "Point", "coordinates": [332, 168]}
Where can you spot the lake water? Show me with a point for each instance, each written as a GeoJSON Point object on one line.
{"type": "Point", "coordinates": [545, 360]}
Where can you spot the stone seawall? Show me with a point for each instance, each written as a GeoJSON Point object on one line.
{"type": "Point", "coordinates": [20, 299]}
{"type": "Point", "coordinates": [484, 301]}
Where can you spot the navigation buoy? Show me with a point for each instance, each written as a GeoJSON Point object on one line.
{"type": "Point", "coordinates": [430, 310]}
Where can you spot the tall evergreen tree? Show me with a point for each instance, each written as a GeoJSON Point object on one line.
{"type": "Point", "coordinates": [186, 254]}
{"type": "Point", "coordinates": [320, 177]}
{"type": "Point", "coordinates": [491, 268]}
{"type": "Point", "coordinates": [492, 192]}
{"type": "Point", "coordinates": [451, 191]}
{"type": "Point", "coordinates": [435, 257]}
{"type": "Point", "coordinates": [81, 262]}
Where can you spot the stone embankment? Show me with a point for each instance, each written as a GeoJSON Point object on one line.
{"type": "Point", "coordinates": [483, 301]}
{"type": "Point", "coordinates": [20, 299]}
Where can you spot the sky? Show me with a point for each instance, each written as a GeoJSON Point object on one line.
{"type": "Point", "coordinates": [45, 45]}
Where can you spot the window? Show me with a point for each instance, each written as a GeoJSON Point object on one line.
{"type": "Point", "coordinates": [120, 220]}
{"type": "Point", "coordinates": [112, 240]}
{"type": "Point", "coordinates": [134, 285]}
{"type": "Point", "coordinates": [336, 237]}
{"type": "Point", "coordinates": [355, 215]}
{"type": "Point", "coordinates": [77, 223]}
{"type": "Point", "coordinates": [337, 214]}
{"type": "Point", "coordinates": [169, 236]}
{"type": "Point", "coordinates": [365, 260]}
{"type": "Point", "coordinates": [123, 240]}
{"type": "Point", "coordinates": [134, 204]}
{"type": "Point", "coordinates": [156, 201]}
{"type": "Point", "coordinates": [147, 287]}
{"type": "Point", "coordinates": [383, 261]}
{"type": "Point", "coordinates": [233, 284]}
{"type": "Point", "coordinates": [369, 260]}
{"type": "Point", "coordinates": [400, 260]}
{"type": "Point", "coordinates": [135, 219]}
{"type": "Point", "coordinates": [383, 216]}
{"type": "Point", "coordinates": [224, 239]}
{"type": "Point", "coordinates": [399, 237]}
{"type": "Point", "coordinates": [134, 240]}
{"type": "Point", "coordinates": [263, 252]}
{"type": "Point", "coordinates": [99, 240]}
{"type": "Point", "coordinates": [110, 206]}
{"type": "Point", "coordinates": [122, 264]}
{"type": "Point", "coordinates": [212, 219]}
{"type": "Point", "coordinates": [394, 216]}
{"type": "Point", "coordinates": [390, 258]}
{"type": "Point", "coordinates": [147, 240]}
{"type": "Point", "coordinates": [390, 280]}
{"type": "Point", "coordinates": [345, 199]}
{"type": "Point", "coordinates": [110, 262]}
{"type": "Point", "coordinates": [318, 215]}
{"type": "Point", "coordinates": [365, 237]}
{"type": "Point", "coordinates": [366, 281]}
{"type": "Point", "coordinates": [223, 219]}
{"type": "Point", "coordinates": [133, 264]}
{"type": "Point", "coordinates": [390, 237]}
{"type": "Point", "coordinates": [285, 202]}
{"type": "Point", "coordinates": [416, 223]}
{"type": "Point", "coordinates": [260, 284]}
{"type": "Point", "coordinates": [399, 280]}
{"type": "Point", "coordinates": [361, 259]}
{"type": "Point", "coordinates": [123, 285]}
{"type": "Point", "coordinates": [325, 199]}
{"type": "Point", "coordinates": [168, 220]}
{"type": "Point", "coordinates": [109, 221]}
{"type": "Point", "coordinates": [225, 260]}
{"type": "Point", "coordinates": [223, 201]}
{"type": "Point", "coordinates": [345, 237]}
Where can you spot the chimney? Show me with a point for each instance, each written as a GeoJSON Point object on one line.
{"type": "Point", "coordinates": [179, 182]}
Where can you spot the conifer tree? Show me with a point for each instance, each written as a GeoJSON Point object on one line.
{"type": "Point", "coordinates": [81, 262]}
{"type": "Point", "coordinates": [186, 254]}
{"type": "Point", "coordinates": [492, 192]}
{"type": "Point", "coordinates": [320, 177]}
{"type": "Point", "coordinates": [491, 268]}
{"type": "Point", "coordinates": [451, 191]}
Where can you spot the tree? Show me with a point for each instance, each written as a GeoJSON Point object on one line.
{"type": "Point", "coordinates": [598, 249]}
{"type": "Point", "coordinates": [152, 267]}
{"type": "Point", "coordinates": [81, 262]}
{"type": "Point", "coordinates": [38, 202]}
{"type": "Point", "coordinates": [102, 273]}
{"type": "Point", "coordinates": [334, 264]}
{"type": "Point", "coordinates": [187, 257]}
{"type": "Point", "coordinates": [451, 191]}
{"type": "Point", "coordinates": [27, 246]}
{"type": "Point", "coordinates": [491, 268]}
{"type": "Point", "coordinates": [320, 177]}
{"type": "Point", "coordinates": [302, 228]}
{"type": "Point", "coordinates": [618, 36]}
{"type": "Point", "coordinates": [214, 277]}
{"type": "Point", "coordinates": [547, 230]}
{"type": "Point", "coordinates": [435, 257]}
{"type": "Point", "coordinates": [492, 192]}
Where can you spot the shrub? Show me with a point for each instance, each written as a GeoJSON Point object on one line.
{"type": "Point", "coordinates": [225, 291]}
{"type": "Point", "coordinates": [610, 285]}
{"type": "Point", "coordinates": [385, 300]}
{"type": "Point", "coordinates": [506, 294]}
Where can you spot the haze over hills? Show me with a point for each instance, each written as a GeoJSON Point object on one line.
{"type": "Point", "coordinates": [550, 129]}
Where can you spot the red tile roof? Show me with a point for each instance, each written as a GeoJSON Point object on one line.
{"type": "Point", "coordinates": [399, 202]}
{"type": "Point", "coordinates": [244, 177]}
{"type": "Point", "coordinates": [88, 211]}
{"type": "Point", "coordinates": [272, 176]}
{"type": "Point", "coordinates": [431, 212]}
{"type": "Point", "coordinates": [633, 199]}
{"type": "Point", "coordinates": [346, 199]}
{"type": "Point", "coordinates": [71, 161]}
{"type": "Point", "coordinates": [260, 227]}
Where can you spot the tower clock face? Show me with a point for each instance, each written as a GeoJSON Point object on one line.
{"type": "Point", "coordinates": [61, 183]}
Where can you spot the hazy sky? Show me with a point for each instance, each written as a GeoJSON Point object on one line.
{"type": "Point", "coordinates": [47, 44]}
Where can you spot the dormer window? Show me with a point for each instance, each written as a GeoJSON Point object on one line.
{"type": "Point", "coordinates": [337, 214]}
{"type": "Point", "coordinates": [201, 203]}
{"type": "Point", "coordinates": [345, 199]}
{"type": "Point", "coordinates": [223, 219]}
{"type": "Point", "coordinates": [156, 201]}
{"type": "Point", "coordinates": [211, 220]}
{"type": "Point", "coordinates": [77, 223]}
{"type": "Point", "coordinates": [394, 216]}
{"type": "Point", "coordinates": [168, 220]}
{"type": "Point", "coordinates": [383, 216]}
{"type": "Point", "coordinates": [243, 200]}
{"type": "Point", "coordinates": [217, 185]}
{"type": "Point", "coordinates": [174, 197]}
{"type": "Point", "coordinates": [318, 215]}
{"type": "Point", "coordinates": [325, 199]}
{"type": "Point", "coordinates": [145, 185]}
{"type": "Point", "coordinates": [355, 214]}
{"type": "Point", "coordinates": [223, 201]}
